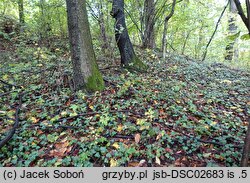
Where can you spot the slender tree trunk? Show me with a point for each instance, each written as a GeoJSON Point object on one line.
{"type": "Point", "coordinates": [232, 29]}
{"type": "Point", "coordinates": [185, 42]}
{"type": "Point", "coordinates": [85, 70]}
{"type": "Point", "coordinates": [141, 15]}
{"type": "Point", "coordinates": [199, 44]}
{"type": "Point", "coordinates": [149, 32]}
{"type": "Point", "coordinates": [164, 39]}
{"type": "Point", "coordinates": [21, 15]}
{"type": "Point", "coordinates": [42, 28]}
{"type": "Point", "coordinates": [216, 27]}
{"type": "Point", "coordinates": [102, 26]}
{"type": "Point", "coordinates": [164, 36]}
{"type": "Point", "coordinates": [248, 14]}
{"type": "Point", "coordinates": [246, 149]}
{"type": "Point", "coordinates": [21, 12]}
{"type": "Point", "coordinates": [245, 18]}
{"type": "Point", "coordinates": [128, 57]}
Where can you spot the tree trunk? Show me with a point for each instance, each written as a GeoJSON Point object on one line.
{"type": "Point", "coordinates": [21, 12]}
{"type": "Point", "coordinates": [85, 70]}
{"type": "Point", "coordinates": [164, 39]}
{"type": "Point", "coordinates": [21, 15]}
{"type": "Point", "coordinates": [101, 21]}
{"type": "Point", "coordinates": [216, 28]}
{"type": "Point", "coordinates": [164, 36]}
{"type": "Point", "coordinates": [245, 18]}
{"type": "Point", "coordinates": [231, 51]}
{"type": "Point", "coordinates": [128, 57]}
{"type": "Point", "coordinates": [149, 23]}
{"type": "Point", "coordinates": [185, 42]}
{"type": "Point", "coordinates": [246, 149]}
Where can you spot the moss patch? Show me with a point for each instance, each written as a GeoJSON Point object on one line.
{"type": "Point", "coordinates": [95, 81]}
{"type": "Point", "coordinates": [137, 65]}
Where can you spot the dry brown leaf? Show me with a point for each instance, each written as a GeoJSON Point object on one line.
{"type": "Point", "coordinates": [137, 138]}
{"type": "Point", "coordinates": [168, 150]}
{"type": "Point", "coordinates": [158, 136]}
{"type": "Point", "coordinates": [142, 163]}
{"type": "Point", "coordinates": [157, 160]}
{"type": "Point", "coordinates": [61, 149]}
{"type": "Point", "coordinates": [133, 164]}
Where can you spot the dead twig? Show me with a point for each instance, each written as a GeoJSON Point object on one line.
{"type": "Point", "coordinates": [198, 139]}
{"type": "Point", "coordinates": [9, 84]}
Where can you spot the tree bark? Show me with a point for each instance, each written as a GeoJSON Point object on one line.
{"type": "Point", "coordinates": [86, 74]}
{"type": "Point", "coordinates": [101, 21]}
{"type": "Point", "coordinates": [245, 19]}
{"type": "Point", "coordinates": [149, 23]}
{"type": "Point", "coordinates": [128, 57]}
{"type": "Point", "coordinates": [231, 51]}
{"type": "Point", "coordinates": [164, 35]}
{"type": "Point", "coordinates": [185, 41]}
{"type": "Point", "coordinates": [246, 149]}
{"type": "Point", "coordinates": [21, 12]}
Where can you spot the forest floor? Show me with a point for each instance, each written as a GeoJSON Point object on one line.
{"type": "Point", "coordinates": [180, 113]}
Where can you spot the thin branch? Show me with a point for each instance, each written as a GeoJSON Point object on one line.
{"type": "Point", "coordinates": [133, 20]}
{"type": "Point", "coordinates": [241, 13]}
{"type": "Point", "coordinates": [9, 84]}
{"type": "Point", "coordinates": [216, 27]}
{"type": "Point", "coordinates": [198, 139]}
{"type": "Point", "coordinates": [93, 13]}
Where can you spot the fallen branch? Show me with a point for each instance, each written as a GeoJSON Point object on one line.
{"type": "Point", "coordinates": [200, 140]}
{"type": "Point", "coordinates": [13, 130]}
{"type": "Point", "coordinates": [119, 136]}
{"type": "Point", "coordinates": [109, 67]}
{"type": "Point", "coordinates": [9, 84]}
{"type": "Point", "coordinates": [6, 93]}
{"type": "Point", "coordinates": [107, 81]}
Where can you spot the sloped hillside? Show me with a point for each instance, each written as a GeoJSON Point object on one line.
{"type": "Point", "coordinates": [179, 113]}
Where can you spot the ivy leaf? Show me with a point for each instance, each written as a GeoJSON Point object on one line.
{"type": "Point", "coordinates": [52, 138]}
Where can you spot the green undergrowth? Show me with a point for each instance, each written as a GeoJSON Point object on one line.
{"type": "Point", "coordinates": [179, 113]}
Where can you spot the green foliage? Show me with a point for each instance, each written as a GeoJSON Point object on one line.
{"type": "Point", "coordinates": [245, 37]}
{"type": "Point", "coordinates": [234, 36]}
{"type": "Point", "coordinates": [180, 113]}
{"type": "Point", "coordinates": [161, 117]}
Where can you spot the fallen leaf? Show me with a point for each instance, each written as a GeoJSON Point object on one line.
{"type": "Point", "coordinates": [137, 138]}
{"type": "Point", "coordinates": [158, 136]}
{"type": "Point", "coordinates": [157, 161]}
{"type": "Point", "coordinates": [206, 155]}
{"type": "Point", "coordinates": [116, 145]}
{"type": "Point", "coordinates": [133, 164]}
{"type": "Point", "coordinates": [168, 150]}
{"type": "Point", "coordinates": [142, 163]}
{"type": "Point", "coordinates": [34, 120]}
{"type": "Point", "coordinates": [113, 163]}
{"type": "Point", "coordinates": [119, 128]}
